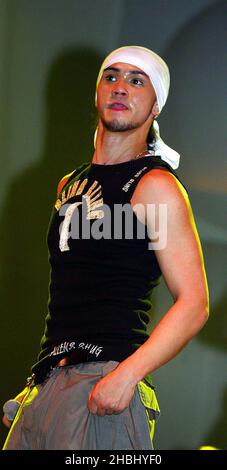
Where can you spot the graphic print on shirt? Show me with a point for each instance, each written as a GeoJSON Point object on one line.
{"type": "Point", "coordinates": [91, 197]}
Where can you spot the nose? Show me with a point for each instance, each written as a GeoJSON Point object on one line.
{"type": "Point", "coordinates": [119, 89]}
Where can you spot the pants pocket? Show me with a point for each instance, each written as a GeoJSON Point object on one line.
{"type": "Point", "coordinates": [150, 402]}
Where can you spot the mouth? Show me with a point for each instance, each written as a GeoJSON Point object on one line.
{"type": "Point", "coordinates": [117, 106]}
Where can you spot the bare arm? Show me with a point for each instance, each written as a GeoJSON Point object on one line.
{"type": "Point", "coordinates": [182, 266]}
{"type": "Point", "coordinates": [181, 262]}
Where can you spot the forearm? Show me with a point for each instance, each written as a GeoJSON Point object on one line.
{"type": "Point", "coordinates": [182, 321]}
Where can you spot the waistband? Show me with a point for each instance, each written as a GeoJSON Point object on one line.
{"type": "Point", "coordinates": [78, 358]}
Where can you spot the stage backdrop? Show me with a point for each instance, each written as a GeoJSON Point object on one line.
{"type": "Point", "coordinates": [50, 52]}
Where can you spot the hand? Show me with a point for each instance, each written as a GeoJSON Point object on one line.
{"type": "Point", "coordinates": [19, 398]}
{"type": "Point", "coordinates": [112, 394]}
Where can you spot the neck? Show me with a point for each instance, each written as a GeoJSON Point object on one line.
{"type": "Point", "coordinates": [118, 147]}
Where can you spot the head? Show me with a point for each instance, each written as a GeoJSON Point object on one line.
{"type": "Point", "coordinates": [132, 88]}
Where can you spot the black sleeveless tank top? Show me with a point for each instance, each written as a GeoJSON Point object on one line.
{"type": "Point", "coordinates": [102, 269]}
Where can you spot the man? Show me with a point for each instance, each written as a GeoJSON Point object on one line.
{"type": "Point", "coordinates": [92, 386]}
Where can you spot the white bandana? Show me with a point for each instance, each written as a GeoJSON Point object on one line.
{"type": "Point", "coordinates": [159, 148]}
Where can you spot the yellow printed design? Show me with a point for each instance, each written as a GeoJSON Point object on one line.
{"type": "Point", "coordinates": [93, 197]}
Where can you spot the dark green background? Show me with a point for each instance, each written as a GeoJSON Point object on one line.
{"type": "Point", "coordinates": [50, 53]}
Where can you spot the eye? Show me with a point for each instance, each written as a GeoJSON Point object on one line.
{"type": "Point", "coordinates": [137, 81]}
{"type": "Point", "coordinates": [110, 77]}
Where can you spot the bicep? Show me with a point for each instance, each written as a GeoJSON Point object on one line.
{"type": "Point", "coordinates": [181, 258]}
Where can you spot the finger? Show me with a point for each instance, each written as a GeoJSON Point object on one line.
{"type": "Point", "coordinates": [112, 411]}
{"type": "Point", "coordinates": [91, 404]}
{"type": "Point", "coordinates": [109, 412]}
{"type": "Point", "coordinates": [101, 412]}
{"type": "Point", "coordinates": [92, 407]}
{"type": "Point", "coordinates": [6, 421]}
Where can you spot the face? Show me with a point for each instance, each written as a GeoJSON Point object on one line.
{"type": "Point", "coordinates": [125, 98]}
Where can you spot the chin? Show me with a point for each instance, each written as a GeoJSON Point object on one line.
{"type": "Point", "coordinates": [116, 125]}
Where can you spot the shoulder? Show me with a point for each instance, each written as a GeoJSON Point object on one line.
{"type": "Point", "coordinates": [63, 182]}
{"type": "Point", "coordinates": [160, 185]}
{"type": "Point", "coordinates": [66, 178]}
{"type": "Point", "coordinates": [158, 188]}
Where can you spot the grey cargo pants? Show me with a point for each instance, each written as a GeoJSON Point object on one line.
{"type": "Point", "coordinates": [54, 415]}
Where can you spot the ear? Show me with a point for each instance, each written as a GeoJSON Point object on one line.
{"type": "Point", "coordinates": [155, 110]}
